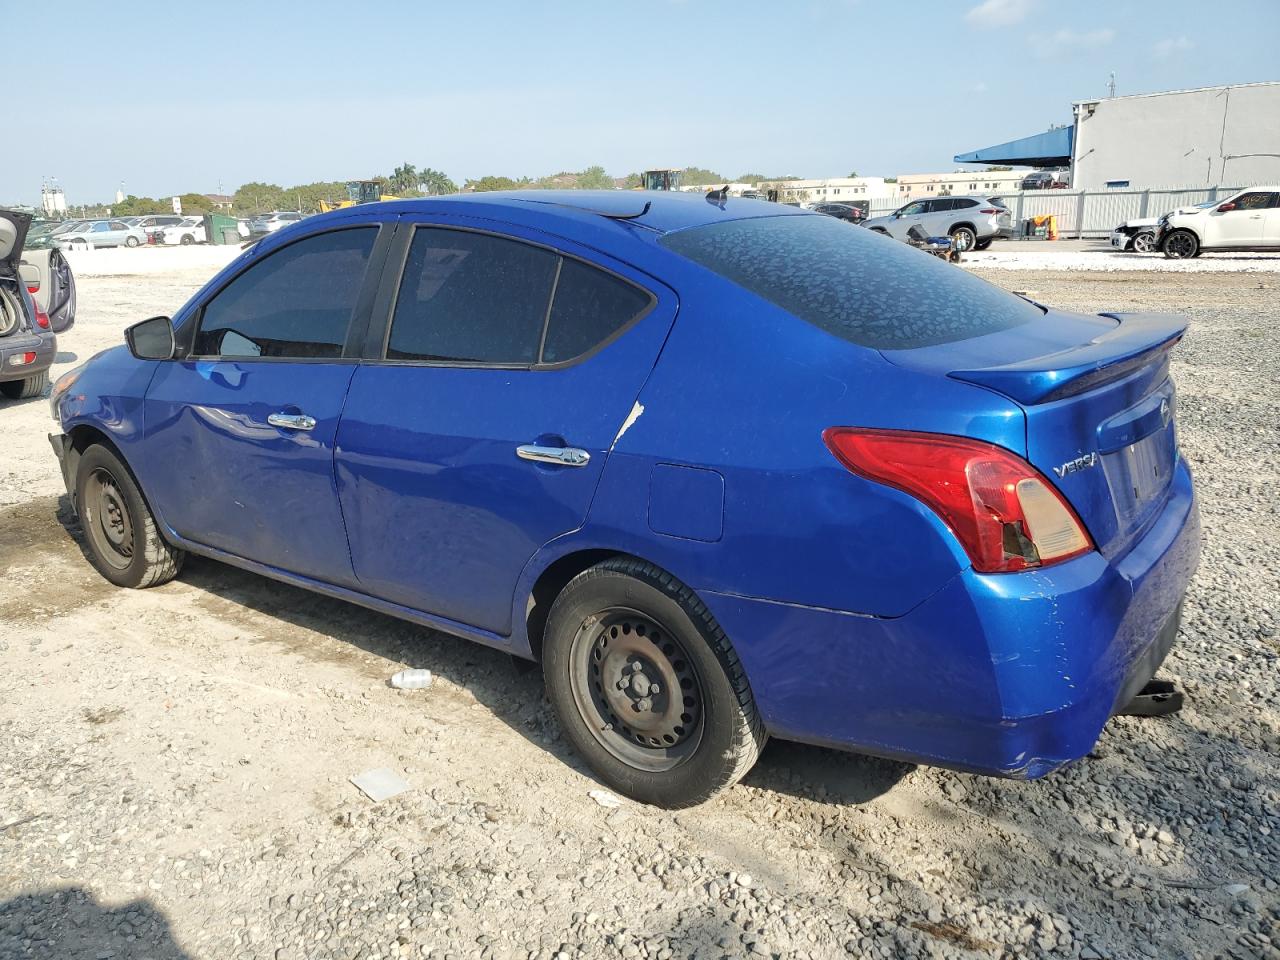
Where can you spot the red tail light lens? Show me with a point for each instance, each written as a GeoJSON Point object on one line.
{"type": "Point", "coordinates": [42, 319]}
{"type": "Point", "coordinates": [1003, 511]}
{"type": "Point", "coordinates": [991, 210]}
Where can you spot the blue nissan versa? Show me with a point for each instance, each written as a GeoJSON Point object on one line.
{"type": "Point", "coordinates": [727, 469]}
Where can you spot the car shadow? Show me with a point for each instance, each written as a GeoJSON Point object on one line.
{"type": "Point", "coordinates": [66, 356]}
{"type": "Point", "coordinates": [70, 924]}
{"type": "Point", "coordinates": [511, 688]}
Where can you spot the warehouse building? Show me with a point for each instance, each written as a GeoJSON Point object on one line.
{"type": "Point", "coordinates": [1207, 136]}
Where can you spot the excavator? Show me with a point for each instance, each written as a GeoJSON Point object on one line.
{"type": "Point", "coordinates": [358, 191]}
{"type": "Point", "coordinates": [660, 180]}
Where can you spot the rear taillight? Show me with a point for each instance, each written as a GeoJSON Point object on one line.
{"type": "Point", "coordinates": [42, 319]}
{"type": "Point", "coordinates": [991, 210]}
{"type": "Point", "coordinates": [33, 286]}
{"type": "Point", "coordinates": [22, 359]}
{"type": "Point", "coordinates": [1003, 511]}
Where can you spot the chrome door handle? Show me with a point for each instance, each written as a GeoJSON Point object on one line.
{"type": "Point", "coordinates": [564, 456]}
{"type": "Point", "coordinates": [292, 421]}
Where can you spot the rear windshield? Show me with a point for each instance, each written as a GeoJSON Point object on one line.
{"type": "Point", "coordinates": [862, 287]}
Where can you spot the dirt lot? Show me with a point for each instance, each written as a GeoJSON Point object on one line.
{"type": "Point", "coordinates": [174, 763]}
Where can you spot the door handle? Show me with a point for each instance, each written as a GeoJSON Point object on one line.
{"type": "Point", "coordinates": [292, 421]}
{"type": "Point", "coordinates": [563, 456]}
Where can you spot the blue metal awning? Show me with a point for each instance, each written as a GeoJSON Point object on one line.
{"type": "Point", "coordinates": [1049, 149]}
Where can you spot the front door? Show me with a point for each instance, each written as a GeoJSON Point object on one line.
{"type": "Point", "coordinates": [911, 215]}
{"type": "Point", "coordinates": [479, 432]}
{"type": "Point", "coordinates": [241, 431]}
{"type": "Point", "coordinates": [1242, 226]}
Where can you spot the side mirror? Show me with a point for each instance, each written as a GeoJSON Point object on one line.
{"type": "Point", "coordinates": [151, 339]}
{"type": "Point", "coordinates": [1226, 207]}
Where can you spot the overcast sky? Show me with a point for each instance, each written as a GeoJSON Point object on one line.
{"type": "Point", "coordinates": [173, 97]}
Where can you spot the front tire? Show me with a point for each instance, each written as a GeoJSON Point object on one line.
{"type": "Point", "coordinates": [1181, 245]}
{"type": "Point", "coordinates": [124, 542]}
{"type": "Point", "coordinates": [1144, 242]}
{"type": "Point", "coordinates": [964, 239]}
{"type": "Point", "coordinates": [188, 239]}
{"type": "Point", "coordinates": [32, 386]}
{"type": "Point", "coordinates": [647, 686]}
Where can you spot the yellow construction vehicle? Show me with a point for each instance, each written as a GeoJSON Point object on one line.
{"type": "Point", "coordinates": [358, 191]}
{"type": "Point", "coordinates": [660, 179]}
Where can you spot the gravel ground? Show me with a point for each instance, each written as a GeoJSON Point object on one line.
{"type": "Point", "coordinates": [174, 763]}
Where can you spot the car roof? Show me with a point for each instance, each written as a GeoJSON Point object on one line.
{"type": "Point", "coordinates": [658, 211]}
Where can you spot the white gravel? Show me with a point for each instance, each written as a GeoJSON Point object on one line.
{"type": "Point", "coordinates": [1015, 255]}
{"type": "Point", "coordinates": [175, 763]}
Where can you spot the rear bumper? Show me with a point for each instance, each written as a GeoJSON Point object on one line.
{"type": "Point", "coordinates": [44, 346]}
{"type": "Point", "coordinates": [1012, 675]}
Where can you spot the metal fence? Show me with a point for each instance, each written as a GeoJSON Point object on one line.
{"type": "Point", "coordinates": [1085, 213]}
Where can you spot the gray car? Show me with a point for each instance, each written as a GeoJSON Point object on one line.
{"type": "Point", "coordinates": [971, 222]}
{"type": "Point", "coordinates": [27, 346]}
{"type": "Point", "coordinates": [100, 233]}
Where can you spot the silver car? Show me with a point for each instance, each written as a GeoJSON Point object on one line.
{"type": "Point", "coordinates": [271, 222]}
{"type": "Point", "coordinates": [100, 233]}
{"type": "Point", "coordinates": [971, 222]}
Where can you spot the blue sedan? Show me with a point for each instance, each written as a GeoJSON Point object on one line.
{"type": "Point", "coordinates": [728, 470]}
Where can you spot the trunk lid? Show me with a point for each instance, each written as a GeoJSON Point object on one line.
{"type": "Point", "coordinates": [1099, 408]}
{"type": "Point", "coordinates": [13, 234]}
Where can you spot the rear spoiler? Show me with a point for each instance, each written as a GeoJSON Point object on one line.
{"type": "Point", "coordinates": [1138, 340]}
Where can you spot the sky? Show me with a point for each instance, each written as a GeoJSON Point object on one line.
{"type": "Point", "coordinates": [175, 97]}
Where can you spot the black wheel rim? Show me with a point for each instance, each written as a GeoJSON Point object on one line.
{"type": "Point", "coordinates": [107, 519]}
{"type": "Point", "coordinates": [1180, 245]}
{"type": "Point", "coordinates": [637, 689]}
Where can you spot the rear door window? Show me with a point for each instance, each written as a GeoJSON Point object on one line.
{"type": "Point", "coordinates": [297, 303]}
{"type": "Point", "coordinates": [476, 298]}
{"type": "Point", "coordinates": [851, 283]}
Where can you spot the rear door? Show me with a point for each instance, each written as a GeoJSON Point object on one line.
{"type": "Point", "coordinates": [240, 433]}
{"type": "Point", "coordinates": [505, 366]}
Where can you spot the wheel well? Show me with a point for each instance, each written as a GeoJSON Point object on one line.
{"type": "Point", "coordinates": [963, 223]}
{"type": "Point", "coordinates": [83, 437]}
{"type": "Point", "coordinates": [548, 586]}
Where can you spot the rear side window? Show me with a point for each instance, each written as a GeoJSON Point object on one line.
{"type": "Point", "coordinates": [295, 304]}
{"type": "Point", "coordinates": [861, 287]}
{"type": "Point", "coordinates": [476, 298]}
{"type": "Point", "coordinates": [590, 306]}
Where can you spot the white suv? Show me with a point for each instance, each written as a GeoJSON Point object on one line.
{"type": "Point", "coordinates": [972, 222]}
{"type": "Point", "coordinates": [1249, 220]}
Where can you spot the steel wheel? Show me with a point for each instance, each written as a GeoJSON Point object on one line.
{"type": "Point", "coordinates": [637, 689]}
{"type": "Point", "coordinates": [107, 520]}
{"type": "Point", "coordinates": [1144, 242]}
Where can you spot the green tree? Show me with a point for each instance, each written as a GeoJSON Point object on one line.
{"type": "Point", "coordinates": [852, 175]}
{"type": "Point", "coordinates": [194, 204]}
{"type": "Point", "coordinates": [594, 178]}
{"type": "Point", "coordinates": [751, 178]}
{"type": "Point", "coordinates": [403, 180]}
{"type": "Point", "coordinates": [631, 181]}
{"type": "Point", "coordinates": [699, 177]}
{"type": "Point", "coordinates": [133, 206]}
{"type": "Point", "coordinates": [256, 197]}
{"type": "Point", "coordinates": [491, 182]}
{"type": "Point", "coordinates": [435, 182]}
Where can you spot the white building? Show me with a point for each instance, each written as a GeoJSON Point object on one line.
{"type": "Point", "coordinates": [1211, 135]}
{"type": "Point", "coordinates": [960, 182]}
{"type": "Point", "coordinates": [829, 189]}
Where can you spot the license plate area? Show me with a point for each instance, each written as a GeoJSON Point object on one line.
{"type": "Point", "coordinates": [1139, 474]}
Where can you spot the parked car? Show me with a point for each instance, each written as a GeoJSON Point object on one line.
{"type": "Point", "coordinates": [188, 231]}
{"type": "Point", "coordinates": [271, 222]}
{"type": "Point", "coordinates": [49, 279]}
{"type": "Point", "coordinates": [27, 341]}
{"type": "Point", "coordinates": [841, 211]}
{"type": "Point", "coordinates": [100, 233]}
{"type": "Point", "coordinates": [1140, 234]}
{"type": "Point", "coordinates": [1247, 220]}
{"type": "Point", "coordinates": [988, 529]}
{"type": "Point", "coordinates": [152, 224]}
{"type": "Point", "coordinates": [971, 222]}
{"type": "Point", "coordinates": [1045, 180]}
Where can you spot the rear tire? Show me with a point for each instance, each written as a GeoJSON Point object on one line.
{"type": "Point", "coordinates": [964, 238]}
{"type": "Point", "coordinates": [983, 244]}
{"type": "Point", "coordinates": [123, 539]}
{"type": "Point", "coordinates": [32, 386]}
{"type": "Point", "coordinates": [1181, 244]}
{"type": "Point", "coordinates": [188, 239]}
{"type": "Point", "coordinates": [130, 241]}
{"type": "Point", "coordinates": [647, 687]}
